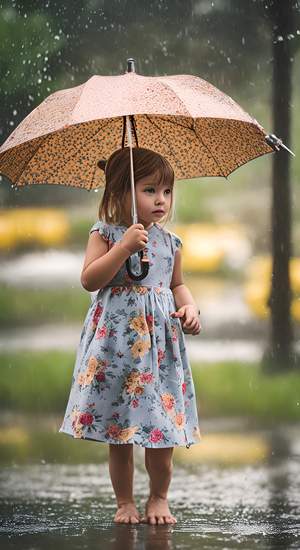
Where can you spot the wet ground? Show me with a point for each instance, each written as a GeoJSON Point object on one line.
{"type": "Point", "coordinates": [222, 498]}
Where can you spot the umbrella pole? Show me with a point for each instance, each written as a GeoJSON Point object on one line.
{"type": "Point", "coordinates": [144, 260]}
{"type": "Point", "coordinates": [129, 139]}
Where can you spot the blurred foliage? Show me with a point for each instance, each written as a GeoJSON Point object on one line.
{"type": "Point", "coordinates": [40, 382]}
{"type": "Point", "coordinates": [31, 44]}
{"type": "Point", "coordinates": [233, 388]}
{"type": "Point", "coordinates": [37, 306]}
{"type": "Point", "coordinates": [35, 381]}
{"type": "Point", "coordinates": [79, 231]}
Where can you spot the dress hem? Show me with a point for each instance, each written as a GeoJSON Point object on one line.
{"type": "Point", "coordinates": [131, 441]}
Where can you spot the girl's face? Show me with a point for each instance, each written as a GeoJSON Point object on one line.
{"type": "Point", "coordinates": [153, 201]}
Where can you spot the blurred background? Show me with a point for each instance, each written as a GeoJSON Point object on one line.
{"type": "Point", "coordinates": [248, 416]}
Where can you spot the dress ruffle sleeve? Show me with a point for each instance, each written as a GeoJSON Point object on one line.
{"type": "Point", "coordinates": [102, 228]}
{"type": "Point", "coordinates": [176, 242]}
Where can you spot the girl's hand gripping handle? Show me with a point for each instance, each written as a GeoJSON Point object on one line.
{"type": "Point", "coordinates": [135, 238]}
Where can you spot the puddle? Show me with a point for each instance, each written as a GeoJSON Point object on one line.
{"type": "Point", "coordinates": [256, 502]}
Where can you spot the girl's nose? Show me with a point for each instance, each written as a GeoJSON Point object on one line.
{"type": "Point", "coordinates": [160, 200]}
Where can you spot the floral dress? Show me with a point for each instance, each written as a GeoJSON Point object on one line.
{"type": "Point", "coordinates": [132, 382]}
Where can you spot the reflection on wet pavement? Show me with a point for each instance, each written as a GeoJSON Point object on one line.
{"type": "Point", "coordinates": [73, 506]}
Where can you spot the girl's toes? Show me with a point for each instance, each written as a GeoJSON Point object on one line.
{"type": "Point", "coordinates": [160, 520]}
{"type": "Point", "coordinates": [145, 520]}
{"type": "Point", "coordinates": [169, 519]}
{"type": "Point", "coordinates": [152, 520]}
{"type": "Point", "coordinates": [134, 519]}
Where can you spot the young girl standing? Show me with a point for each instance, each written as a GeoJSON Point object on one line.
{"type": "Point", "coordinates": [132, 382]}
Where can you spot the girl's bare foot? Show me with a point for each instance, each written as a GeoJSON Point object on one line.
{"type": "Point", "coordinates": [157, 507]}
{"type": "Point", "coordinates": [127, 513]}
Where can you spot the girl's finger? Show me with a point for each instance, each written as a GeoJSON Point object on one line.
{"type": "Point", "coordinates": [190, 322]}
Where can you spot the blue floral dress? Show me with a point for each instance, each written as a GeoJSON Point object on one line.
{"type": "Point", "coordinates": [132, 382]}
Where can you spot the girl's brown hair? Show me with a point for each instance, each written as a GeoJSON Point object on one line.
{"type": "Point", "coordinates": [117, 176]}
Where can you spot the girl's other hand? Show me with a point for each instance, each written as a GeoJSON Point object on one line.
{"type": "Point", "coordinates": [189, 319]}
{"type": "Point", "coordinates": [135, 238]}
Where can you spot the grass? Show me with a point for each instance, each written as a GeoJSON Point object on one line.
{"type": "Point", "coordinates": [39, 382]}
{"type": "Point", "coordinates": [232, 388]}
{"type": "Point", "coordinates": [35, 381]}
{"type": "Point", "coordinates": [32, 306]}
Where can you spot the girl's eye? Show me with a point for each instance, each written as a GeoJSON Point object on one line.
{"type": "Point", "coordinates": [152, 189]}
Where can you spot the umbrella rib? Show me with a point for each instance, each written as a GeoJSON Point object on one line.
{"type": "Point", "coordinates": [175, 122]}
{"type": "Point", "coordinates": [168, 85]}
{"type": "Point", "coordinates": [206, 147]}
{"type": "Point", "coordinates": [105, 125]}
{"type": "Point", "coordinates": [192, 129]}
{"type": "Point", "coordinates": [155, 124]}
{"type": "Point", "coordinates": [22, 170]}
{"type": "Point", "coordinates": [42, 143]}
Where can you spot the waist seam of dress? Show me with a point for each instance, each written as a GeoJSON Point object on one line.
{"type": "Point", "coordinates": [129, 286]}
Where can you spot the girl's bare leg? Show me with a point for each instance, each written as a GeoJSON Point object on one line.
{"type": "Point", "coordinates": [159, 466]}
{"type": "Point", "coordinates": [121, 468]}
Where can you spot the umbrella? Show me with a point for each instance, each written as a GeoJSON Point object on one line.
{"type": "Point", "coordinates": [200, 130]}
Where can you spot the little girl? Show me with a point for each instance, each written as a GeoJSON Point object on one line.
{"type": "Point", "coordinates": [132, 382]}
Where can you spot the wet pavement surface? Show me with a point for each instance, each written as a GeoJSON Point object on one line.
{"type": "Point", "coordinates": [238, 506]}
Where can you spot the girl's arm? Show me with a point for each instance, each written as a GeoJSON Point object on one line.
{"type": "Point", "coordinates": [181, 293]}
{"type": "Point", "coordinates": [185, 303]}
{"type": "Point", "coordinates": [101, 265]}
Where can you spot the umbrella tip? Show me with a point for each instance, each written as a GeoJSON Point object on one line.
{"type": "Point", "coordinates": [277, 143]}
{"type": "Point", "coordinates": [130, 65]}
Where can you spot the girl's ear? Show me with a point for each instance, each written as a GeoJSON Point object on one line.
{"type": "Point", "coordinates": [101, 164]}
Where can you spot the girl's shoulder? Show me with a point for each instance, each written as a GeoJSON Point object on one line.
{"type": "Point", "coordinates": [102, 227]}
{"type": "Point", "coordinates": [107, 230]}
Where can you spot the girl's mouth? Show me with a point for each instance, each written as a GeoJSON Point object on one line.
{"type": "Point", "coordinates": [158, 212]}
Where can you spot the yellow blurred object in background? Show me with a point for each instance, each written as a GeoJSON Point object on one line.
{"type": "Point", "coordinates": [257, 287]}
{"type": "Point", "coordinates": [47, 226]}
{"type": "Point", "coordinates": [8, 236]}
{"type": "Point", "coordinates": [208, 247]}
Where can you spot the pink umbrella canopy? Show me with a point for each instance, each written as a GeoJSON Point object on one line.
{"type": "Point", "coordinates": [199, 129]}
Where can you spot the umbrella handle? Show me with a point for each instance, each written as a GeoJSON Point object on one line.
{"type": "Point", "coordinates": [144, 261]}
